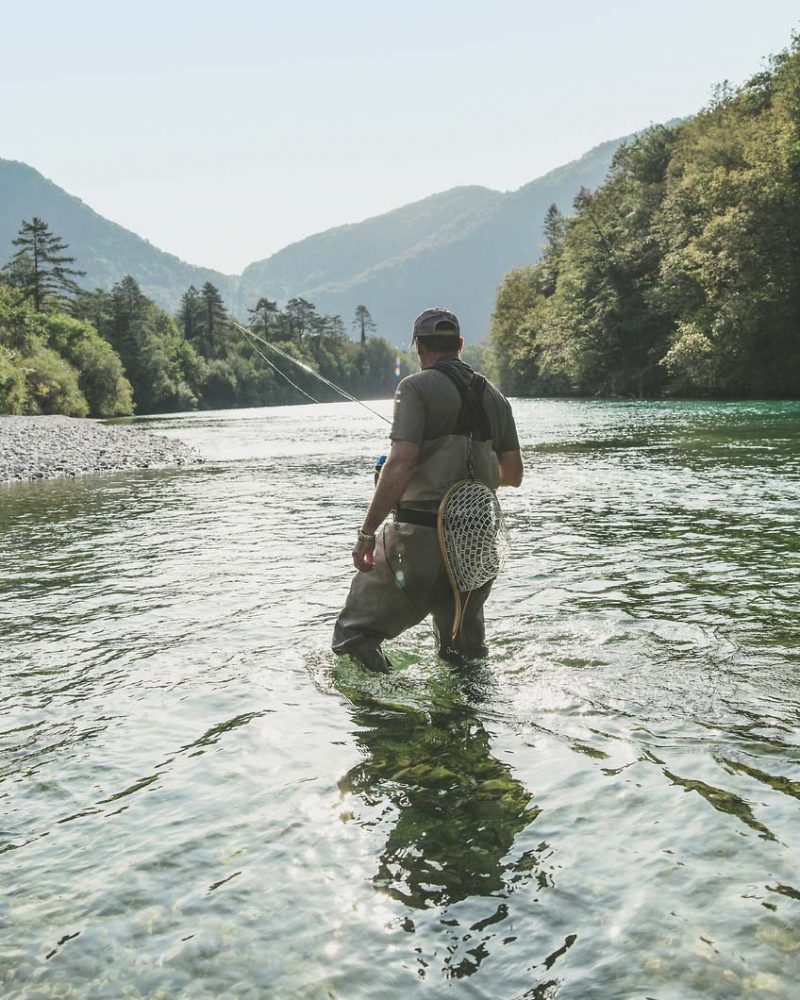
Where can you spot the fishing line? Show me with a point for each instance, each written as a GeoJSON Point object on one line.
{"type": "Point", "coordinates": [275, 368]}
{"type": "Point", "coordinates": [306, 368]}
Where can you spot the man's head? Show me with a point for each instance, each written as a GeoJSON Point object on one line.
{"type": "Point", "coordinates": [436, 335]}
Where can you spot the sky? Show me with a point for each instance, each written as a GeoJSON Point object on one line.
{"type": "Point", "coordinates": [221, 132]}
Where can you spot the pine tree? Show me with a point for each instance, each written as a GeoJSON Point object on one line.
{"type": "Point", "coordinates": [264, 316]}
{"type": "Point", "coordinates": [363, 321]}
{"type": "Point", "coordinates": [40, 268]}
{"type": "Point", "coordinates": [300, 316]}
{"type": "Point", "coordinates": [555, 226]}
{"type": "Point", "coordinates": [334, 326]}
{"type": "Point", "coordinates": [190, 313]}
{"type": "Point", "coordinates": [128, 313]}
{"type": "Point", "coordinates": [95, 307]}
{"type": "Point", "coordinates": [214, 319]}
{"type": "Point", "coordinates": [162, 367]}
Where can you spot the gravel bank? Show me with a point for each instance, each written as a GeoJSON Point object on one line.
{"type": "Point", "coordinates": [50, 447]}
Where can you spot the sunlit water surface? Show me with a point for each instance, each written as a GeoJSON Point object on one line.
{"type": "Point", "coordinates": [199, 801]}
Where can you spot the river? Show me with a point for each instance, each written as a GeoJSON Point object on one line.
{"type": "Point", "coordinates": [199, 801]}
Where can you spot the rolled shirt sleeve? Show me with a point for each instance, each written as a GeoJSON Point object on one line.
{"type": "Point", "coordinates": [408, 423]}
{"type": "Point", "coordinates": [509, 439]}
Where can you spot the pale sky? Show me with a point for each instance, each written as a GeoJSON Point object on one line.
{"type": "Point", "coordinates": [223, 131]}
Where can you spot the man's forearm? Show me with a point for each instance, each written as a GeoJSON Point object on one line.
{"type": "Point", "coordinates": [511, 468]}
{"type": "Point", "coordinates": [393, 480]}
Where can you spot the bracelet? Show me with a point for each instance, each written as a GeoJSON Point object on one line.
{"type": "Point", "coordinates": [364, 537]}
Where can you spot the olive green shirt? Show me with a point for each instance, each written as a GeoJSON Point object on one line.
{"type": "Point", "coordinates": [427, 405]}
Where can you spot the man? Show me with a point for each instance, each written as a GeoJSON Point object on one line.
{"type": "Point", "coordinates": [446, 417]}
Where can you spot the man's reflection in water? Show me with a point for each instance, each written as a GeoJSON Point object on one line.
{"type": "Point", "coordinates": [453, 810]}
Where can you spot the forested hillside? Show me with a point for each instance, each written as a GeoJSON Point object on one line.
{"type": "Point", "coordinates": [337, 256]}
{"type": "Point", "coordinates": [452, 247]}
{"type": "Point", "coordinates": [107, 251]}
{"type": "Point", "coordinates": [681, 273]}
{"type": "Point", "coordinates": [107, 353]}
{"type": "Point", "coordinates": [457, 260]}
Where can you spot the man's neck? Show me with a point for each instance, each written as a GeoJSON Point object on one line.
{"type": "Point", "coordinates": [432, 359]}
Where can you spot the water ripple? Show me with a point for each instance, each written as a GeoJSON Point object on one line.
{"type": "Point", "coordinates": [199, 800]}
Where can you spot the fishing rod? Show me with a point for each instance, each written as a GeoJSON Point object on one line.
{"type": "Point", "coordinates": [306, 368]}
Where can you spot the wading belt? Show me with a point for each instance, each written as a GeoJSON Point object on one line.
{"type": "Point", "coordinates": [407, 515]}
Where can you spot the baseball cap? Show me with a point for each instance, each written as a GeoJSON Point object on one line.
{"type": "Point", "coordinates": [436, 322]}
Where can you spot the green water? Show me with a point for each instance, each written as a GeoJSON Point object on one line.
{"type": "Point", "coordinates": [199, 801]}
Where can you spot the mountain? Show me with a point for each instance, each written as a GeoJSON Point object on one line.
{"type": "Point", "coordinates": [339, 257]}
{"type": "Point", "coordinates": [451, 248]}
{"type": "Point", "coordinates": [106, 251]}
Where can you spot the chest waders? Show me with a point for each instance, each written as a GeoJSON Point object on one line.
{"type": "Point", "coordinates": [459, 472]}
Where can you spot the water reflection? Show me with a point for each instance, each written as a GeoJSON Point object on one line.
{"type": "Point", "coordinates": [451, 811]}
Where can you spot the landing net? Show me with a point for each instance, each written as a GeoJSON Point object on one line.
{"type": "Point", "coordinates": [473, 539]}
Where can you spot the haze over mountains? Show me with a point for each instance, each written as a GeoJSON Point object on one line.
{"type": "Point", "coordinates": [452, 249]}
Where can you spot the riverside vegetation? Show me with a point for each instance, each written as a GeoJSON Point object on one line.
{"type": "Point", "coordinates": [104, 353]}
{"type": "Point", "coordinates": [681, 273]}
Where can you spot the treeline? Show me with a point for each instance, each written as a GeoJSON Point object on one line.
{"type": "Point", "coordinates": [681, 273]}
{"type": "Point", "coordinates": [109, 353]}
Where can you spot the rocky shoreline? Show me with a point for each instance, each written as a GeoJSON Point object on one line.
{"type": "Point", "coordinates": [54, 447]}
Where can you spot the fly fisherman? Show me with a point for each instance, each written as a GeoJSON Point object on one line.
{"type": "Point", "coordinates": [443, 415]}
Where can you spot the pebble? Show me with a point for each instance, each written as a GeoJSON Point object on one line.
{"type": "Point", "coordinates": [54, 447]}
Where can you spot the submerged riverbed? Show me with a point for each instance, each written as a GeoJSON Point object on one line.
{"type": "Point", "coordinates": [199, 801]}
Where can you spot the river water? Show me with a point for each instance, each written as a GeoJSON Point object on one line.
{"type": "Point", "coordinates": [199, 801]}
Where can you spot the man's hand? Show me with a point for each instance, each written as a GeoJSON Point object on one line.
{"type": "Point", "coordinates": [397, 471]}
{"type": "Point", "coordinates": [363, 556]}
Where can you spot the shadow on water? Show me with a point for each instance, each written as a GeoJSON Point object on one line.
{"type": "Point", "coordinates": [451, 812]}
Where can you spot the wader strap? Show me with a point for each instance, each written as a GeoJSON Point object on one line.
{"type": "Point", "coordinates": [472, 419]}
{"type": "Point", "coordinates": [407, 515]}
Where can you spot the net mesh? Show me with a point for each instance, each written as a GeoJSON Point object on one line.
{"type": "Point", "coordinates": [473, 534]}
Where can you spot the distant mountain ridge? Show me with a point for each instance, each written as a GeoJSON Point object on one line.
{"type": "Point", "coordinates": [104, 249]}
{"type": "Point", "coordinates": [451, 248]}
{"type": "Point", "coordinates": [340, 254]}
{"type": "Point", "coordinates": [459, 262]}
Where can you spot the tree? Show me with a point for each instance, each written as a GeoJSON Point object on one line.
{"type": "Point", "coordinates": [513, 330]}
{"type": "Point", "coordinates": [94, 307]}
{"type": "Point", "coordinates": [363, 321]}
{"type": "Point", "coordinates": [163, 368]}
{"type": "Point", "coordinates": [215, 318]}
{"type": "Point", "coordinates": [53, 385]}
{"type": "Point", "coordinates": [40, 268]}
{"type": "Point", "coordinates": [190, 313]}
{"type": "Point", "coordinates": [13, 384]}
{"type": "Point", "coordinates": [263, 316]}
{"type": "Point", "coordinates": [128, 311]}
{"type": "Point", "coordinates": [555, 226]}
{"type": "Point", "coordinates": [681, 272]}
{"type": "Point", "coordinates": [555, 229]}
{"type": "Point", "coordinates": [335, 326]}
{"type": "Point", "coordinates": [300, 316]}
{"type": "Point", "coordinates": [35, 374]}
{"type": "Point", "coordinates": [101, 377]}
